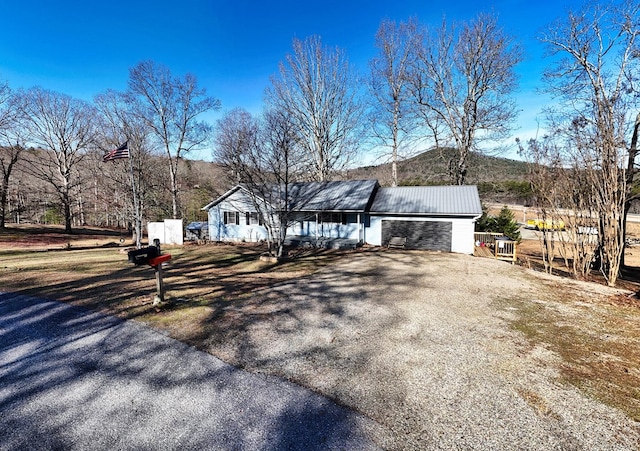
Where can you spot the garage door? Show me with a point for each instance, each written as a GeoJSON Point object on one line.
{"type": "Point", "coordinates": [429, 235]}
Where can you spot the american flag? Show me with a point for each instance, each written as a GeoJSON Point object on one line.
{"type": "Point", "coordinates": [116, 154]}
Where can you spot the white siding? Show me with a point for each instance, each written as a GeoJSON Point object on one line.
{"type": "Point", "coordinates": [168, 232]}
{"type": "Point", "coordinates": [173, 232]}
{"type": "Point", "coordinates": [462, 236]}
{"type": "Point", "coordinates": [155, 230]}
{"type": "Point", "coordinates": [219, 231]}
{"type": "Point", "coordinates": [326, 229]}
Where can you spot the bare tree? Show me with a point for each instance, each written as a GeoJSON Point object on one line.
{"type": "Point", "coordinates": [62, 129]}
{"type": "Point", "coordinates": [594, 80]}
{"type": "Point", "coordinates": [264, 157]}
{"type": "Point", "coordinates": [462, 83]}
{"type": "Point", "coordinates": [235, 142]}
{"type": "Point", "coordinates": [390, 115]}
{"type": "Point", "coordinates": [563, 195]}
{"type": "Point", "coordinates": [121, 122]}
{"type": "Point", "coordinates": [12, 143]}
{"type": "Point", "coordinates": [317, 89]}
{"type": "Point", "coordinates": [171, 107]}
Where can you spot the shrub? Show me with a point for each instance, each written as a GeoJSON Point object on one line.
{"type": "Point", "coordinates": [504, 223]}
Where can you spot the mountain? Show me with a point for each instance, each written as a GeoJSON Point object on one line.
{"type": "Point", "coordinates": [498, 179]}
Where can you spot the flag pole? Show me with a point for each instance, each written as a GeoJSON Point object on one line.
{"type": "Point", "coordinates": [119, 153]}
{"type": "Point", "coordinates": [136, 204]}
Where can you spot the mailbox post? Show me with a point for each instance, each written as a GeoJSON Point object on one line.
{"type": "Point", "coordinates": [156, 263]}
{"type": "Point", "coordinates": [153, 257]}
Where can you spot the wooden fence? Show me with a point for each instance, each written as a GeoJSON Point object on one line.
{"type": "Point", "coordinates": [495, 245]}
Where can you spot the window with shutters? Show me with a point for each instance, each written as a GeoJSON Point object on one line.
{"type": "Point", "coordinates": [232, 217]}
{"type": "Point", "coordinates": [253, 218]}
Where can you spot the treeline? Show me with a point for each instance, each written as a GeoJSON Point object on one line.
{"type": "Point", "coordinates": [56, 159]}
{"type": "Point", "coordinates": [498, 179]}
{"type": "Point", "coordinates": [102, 193]}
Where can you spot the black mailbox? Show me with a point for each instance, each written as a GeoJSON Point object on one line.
{"type": "Point", "coordinates": [143, 255]}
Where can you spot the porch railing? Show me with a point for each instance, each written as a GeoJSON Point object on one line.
{"type": "Point", "coordinates": [495, 245]}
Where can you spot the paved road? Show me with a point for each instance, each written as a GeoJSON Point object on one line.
{"type": "Point", "coordinates": [72, 379]}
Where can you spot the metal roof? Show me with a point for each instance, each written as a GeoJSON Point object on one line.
{"type": "Point", "coordinates": [357, 196]}
{"type": "Point", "coordinates": [436, 200]}
{"type": "Point", "coordinates": [334, 196]}
{"type": "Point", "coordinates": [196, 225]}
{"type": "Point", "coordinates": [351, 195]}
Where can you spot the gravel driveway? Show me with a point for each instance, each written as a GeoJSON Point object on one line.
{"type": "Point", "coordinates": [416, 342]}
{"type": "Point", "coordinates": [70, 379]}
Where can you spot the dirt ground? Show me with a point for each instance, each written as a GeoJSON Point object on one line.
{"type": "Point", "coordinates": [441, 362]}
{"type": "Point", "coordinates": [50, 237]}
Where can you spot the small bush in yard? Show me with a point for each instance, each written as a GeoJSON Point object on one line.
{"type": "Point", "coordinates": [504, 223]}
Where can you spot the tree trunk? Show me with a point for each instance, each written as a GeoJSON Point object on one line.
{"type": "Point", "coordinates": [394, 172]}
{"type": "Point", "coordinates": [173, 170]}
{"type": "Point", "coordinates": [67, 214]}
{"type": "Point", "coordinates": [3, 201]}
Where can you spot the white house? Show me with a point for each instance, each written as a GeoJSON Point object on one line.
{"type": "Point", "coordinates": [429, 217]}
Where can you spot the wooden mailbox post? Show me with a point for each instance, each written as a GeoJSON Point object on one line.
{"type": "Point", "coordinates": [153, 257]}
{"type": "Point", "coordinates": [156, 263]}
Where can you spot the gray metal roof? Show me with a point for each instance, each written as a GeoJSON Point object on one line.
{"type": "Point", "coordinates": [335, 196]}
{"type": "Point", "coordinates": [351, 195]}
{"type": "Point", "coordinates": [436, 200]}
{"type": "Point", "coordinates": [356, 196]}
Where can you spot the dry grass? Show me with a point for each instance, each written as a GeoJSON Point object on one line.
{"type": "Point", "coordinates": [211, 299]}
{"type": "Point", "coordinates": [598, 342]}
{"type": "Point", "coordinates": [207, 277]}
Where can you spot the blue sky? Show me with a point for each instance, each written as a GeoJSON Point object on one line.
{"type": "Point", "coordinates": [232, 46]}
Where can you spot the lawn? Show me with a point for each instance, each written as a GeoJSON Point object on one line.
{"type": "Point", "coordinates": [197, 276]}
{"type": "Point", "coordinates": [361, 337]}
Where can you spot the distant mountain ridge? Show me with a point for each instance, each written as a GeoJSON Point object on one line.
{"type": "Point", "coordinates": [499, 179]}
{"type": "Point", "coordinates": [431, 168]}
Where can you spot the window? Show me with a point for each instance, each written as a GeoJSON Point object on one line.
{"type": "Point", "coordinates": [336, 218]}
{"type": "Point", "coordinates": [232, 217]}
{"type": "Point", "coordinates": [253, 218]}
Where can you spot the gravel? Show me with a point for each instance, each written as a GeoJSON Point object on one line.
{"type": "Point", "coordinates": [76, 380]}
{"type": "Point", "coordinates": [416, 342]}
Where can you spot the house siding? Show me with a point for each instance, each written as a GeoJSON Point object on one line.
{"type": "Point", "coordinates": [462, 236]}
{"type": "Point", "coordinates": [219, 231]}
{"type": "Point", "coordinates": [356, 210]}
{"type": "Point", "coordinates": [307, 226]}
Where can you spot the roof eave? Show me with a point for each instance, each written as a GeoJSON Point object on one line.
{"type": "Point", "coordinates": [221, 198]}
{"type": "Point", "coordinates": [431, 214]}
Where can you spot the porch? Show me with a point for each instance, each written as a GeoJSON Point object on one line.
{"type": "Point", "coordinates": [495, 245]}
